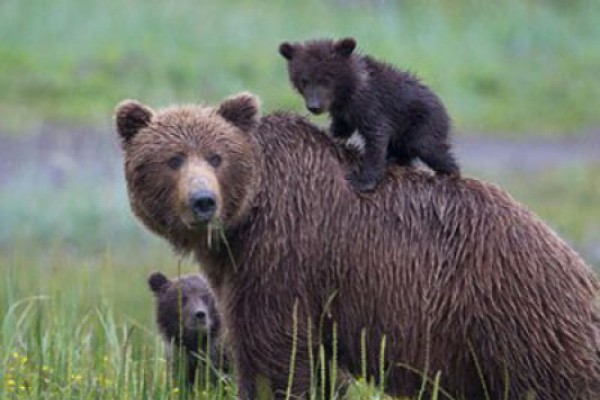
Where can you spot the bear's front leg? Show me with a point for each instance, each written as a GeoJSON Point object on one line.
{"type": "Point", "coordinates": [341, 129]}
{"type": "Point", "coordinates": [374, 160]}
{"type": "Point", "coordinates": [246, 384]}
{"type": "Point", "coordinates": [264, 373]}
{"type": "Point", "coordinates": [266, 339]}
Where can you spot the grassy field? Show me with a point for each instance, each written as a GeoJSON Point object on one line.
{"type": "Point", "coordinates": [506, 67]}
{"type": "Point", "coordinates": [76, 316]}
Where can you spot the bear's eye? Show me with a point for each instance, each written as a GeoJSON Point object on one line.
{"type": "Point", "coordinates": [176, 161]}
{"type": "Point", "coordinates": [303, 82]}
{"type": "Point", "coordinates": [325, 81]}
{"type": "Point", "coordinates": [184, 299]}
{"type": "Point", "coordinates": [214, 160]}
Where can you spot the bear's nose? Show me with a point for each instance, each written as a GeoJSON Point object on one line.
{"type": "Point", "coordinates": [314, 109]}
{"type": "Point", "coordinates": [204, 205]}
{"type": "Point", "coordinates": [201, 315]}
{"type": "Point", "coordinates": [313, 104]}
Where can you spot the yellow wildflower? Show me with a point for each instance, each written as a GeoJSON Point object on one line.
{"type": "Point", "coordinates": [76, 377]}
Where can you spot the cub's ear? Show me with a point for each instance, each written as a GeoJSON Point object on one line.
{"type": "Point", "coordinates": [242, 110]}
{"type": "Point", "coordinates": [345, 47]}
{"type": "Point", "coordinates": [287, 50]}
{"type": "Point", "coordinates": [158, 283]}
{"type": "Point", "coordinates": [130, 117]}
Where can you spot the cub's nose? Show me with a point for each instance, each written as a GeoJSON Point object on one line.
{"type": "Point", "coordinates": [314, 105]}
{"type": "Point", "coordinates": [203, 204]}
{"type": "Point", "coordinates": [201, 315]}
{"type": "Point", "coordinates": [314, 109]}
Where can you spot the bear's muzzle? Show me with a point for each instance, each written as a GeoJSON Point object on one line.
{"type": "Point", "coordinates": [203, 204]}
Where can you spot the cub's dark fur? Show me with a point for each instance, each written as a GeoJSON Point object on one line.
{"type": "Point", "coordinates": [189, 323]}
{"type": "Point", "coordinates": [398, 118]}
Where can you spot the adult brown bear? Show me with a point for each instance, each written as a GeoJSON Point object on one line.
{"type": "Point", "coordinates": [456, 275]}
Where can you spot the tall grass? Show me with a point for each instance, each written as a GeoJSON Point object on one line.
{"type": "Point", "coordinates": [76, 332]}
{"type": "Point", "coordinates": [508, 66]}
{"type": "Point", "coordinates": [63, 335]}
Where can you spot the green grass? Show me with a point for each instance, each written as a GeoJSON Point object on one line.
{"type": "Point", "coordinates": [80, 329]}
{"type": "Point", "coordinates": [77, 329]}
{"type": "Point", "coordinates": [511, 66]}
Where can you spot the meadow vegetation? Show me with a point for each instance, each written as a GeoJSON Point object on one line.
{"type": "Point", "coordinates": [512, 66]}
{"type": "Point", "coordinates": [76, 316]}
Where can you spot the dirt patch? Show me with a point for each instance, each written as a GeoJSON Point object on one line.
{"type": "Point", "coordinates": [56, 151]}
{"type": "Point", "coordinates": [53, 154]}
{"type": "Point", "coordinates": [528, 154]}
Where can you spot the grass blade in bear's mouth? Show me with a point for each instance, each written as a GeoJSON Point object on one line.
{"type": "Point", "coordinates": [214, 228]}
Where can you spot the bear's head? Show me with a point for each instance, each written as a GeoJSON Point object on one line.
{"type": "Point", "coordinates": [190, 169]}
{"type": "Point", "coordinates": [185, 306]}
{"type": "Point", "coordinates": [320, 70]}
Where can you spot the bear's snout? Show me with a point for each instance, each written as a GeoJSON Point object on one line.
{"type": "Point", "coordinates": [203, 204]}
{"type": "Point", "coordinates": [315, 109]}
{"type": "Point", "coordinates": [201, 315]}
{"type": "Point", "coordinates": [314, 106]}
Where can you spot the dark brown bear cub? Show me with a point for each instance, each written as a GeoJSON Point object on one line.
{"type": "Point", "coordinates": [195, 331]}
{"type": "Point", "coordinates": [397, 117]}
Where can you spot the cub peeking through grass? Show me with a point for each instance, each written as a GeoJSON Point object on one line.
{"type": "Point", "coordinates": [190, 325]}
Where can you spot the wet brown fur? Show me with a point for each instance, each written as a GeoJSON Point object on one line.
{"type": "Point", "coordinates": [454, 272]}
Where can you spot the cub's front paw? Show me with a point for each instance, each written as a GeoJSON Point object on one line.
{"type": "Point", "coordinates": [362, 182]}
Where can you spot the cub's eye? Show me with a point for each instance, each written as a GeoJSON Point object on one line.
{"type": "Point", "coordinates": [184, 299]}
{"type": "Point", "coordinates": [214, 160]}
{"type": "Point", "coordinates": [325, 81]}
{"type": "Point", "coordinates": [176, 161]}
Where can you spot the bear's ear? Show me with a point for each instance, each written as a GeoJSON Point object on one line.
{"type": "Point", "coordinates": [130, 117]}
{"type": "Point", "coordinates": [158, 283]}
{"type": "Point", "coordinates": [345, 47]}
{"type": "Point", "coordinates": [242, 110]}
{"type": "Point", "coordinates": [287, 50]}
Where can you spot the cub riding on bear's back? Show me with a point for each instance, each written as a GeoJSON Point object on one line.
{"type": "Point", "coordinates": [396, 116]}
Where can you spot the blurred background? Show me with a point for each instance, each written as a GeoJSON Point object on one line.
{"type": "Point", "coordinates": [519, 77]}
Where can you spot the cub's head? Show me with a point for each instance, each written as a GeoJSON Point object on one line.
{"type": "Point", "coordinates": [185, 306]}
{"type": "Point", "coordinates": [320, 70]}
{"type": "Point", "coordinates": [189, 168]}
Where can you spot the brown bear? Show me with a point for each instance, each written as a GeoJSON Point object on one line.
{"type": "Point", "coordinates": [426, 276]}
{"type": "Point", "coordinates": [187, 318]}
{"type": "Point", "coordinates": [394, 116]}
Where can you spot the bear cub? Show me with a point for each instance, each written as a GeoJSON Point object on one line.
{"type": "Point", "coordinates": [397, 117]}
{"type": "Point", "coordinates": [195, 331]}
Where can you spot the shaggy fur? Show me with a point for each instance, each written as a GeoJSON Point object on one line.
{"type": "Point", "coordinates": [453, 273]}
{"type": "Point", "coordinates": [188, 319]}
{"type": "Point", "coordinates": [397, 116]}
